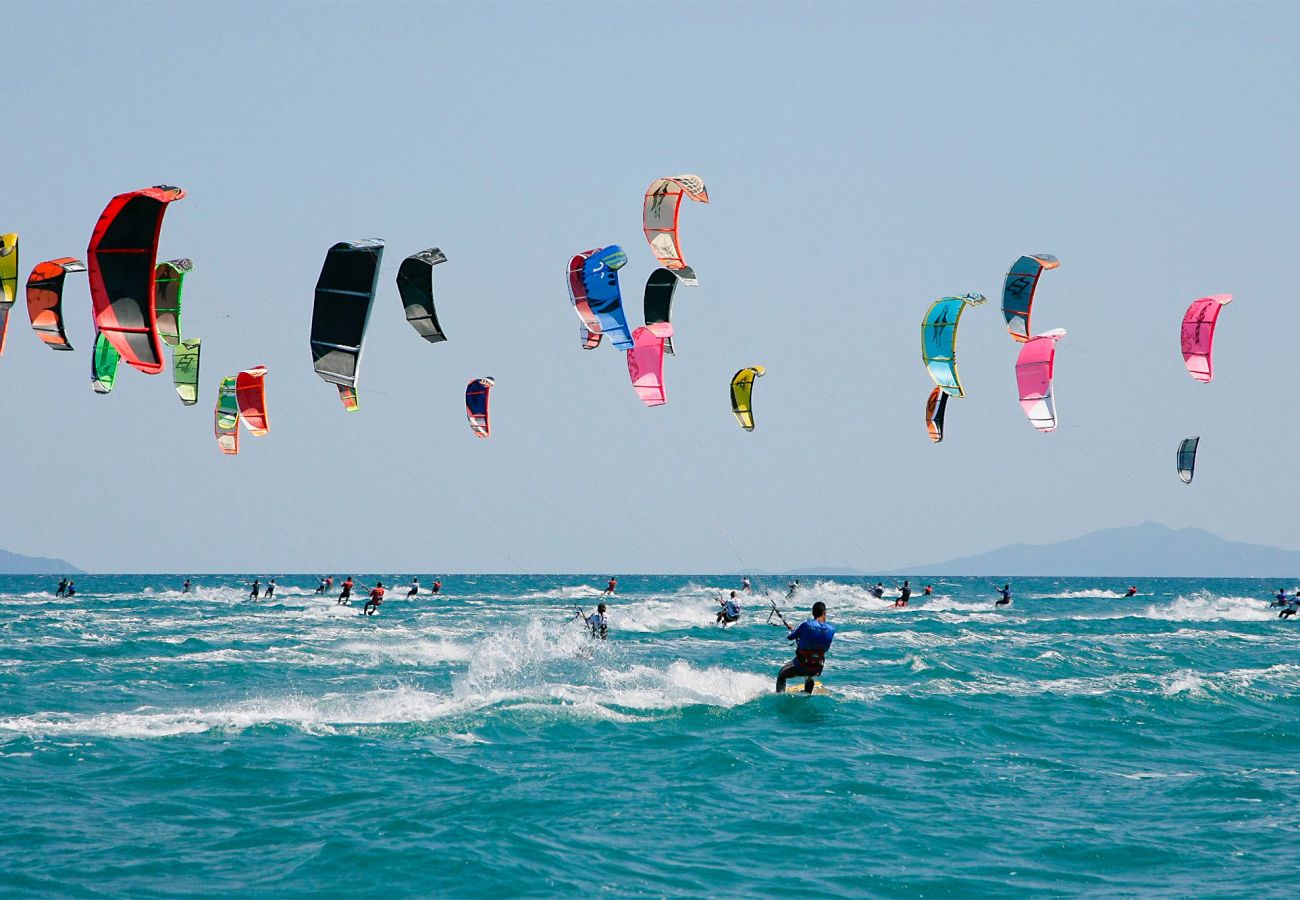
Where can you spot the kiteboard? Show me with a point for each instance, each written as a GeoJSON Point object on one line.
{"type": "Point", "coordinates": [818, 688]}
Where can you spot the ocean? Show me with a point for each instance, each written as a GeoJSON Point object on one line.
{"type": "Point", "coordinates": [481, 743]}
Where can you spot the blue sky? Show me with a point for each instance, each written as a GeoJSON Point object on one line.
{"type": "Point", "coordinates": [862, 160]}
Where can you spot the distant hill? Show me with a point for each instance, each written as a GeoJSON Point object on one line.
{"type": "Point", "coordinates": [1149, 549]}
{"type": "Point", "coordinates": [17, 564]}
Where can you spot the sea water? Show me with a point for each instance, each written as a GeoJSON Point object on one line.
{"type": "Point", "coordinates": [481, 743]}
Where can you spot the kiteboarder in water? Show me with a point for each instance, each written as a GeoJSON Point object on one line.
{"type": "Point", "coordinates": [1132, 591]}
{"type": "Point", "coordinates": [794, 588]}
{"type": "Point", "coordinates": [878, 591]}
{"type": "Point", "coordinates": [598, 623]}
{"type": "Point", "coordinates": [63, 587]}
{"type": "Point", "coordinates": [345, 596]}
{"type": "Point", "coordinates": [415, 588]}
{"type": "Point", "coordinates": [609, 588]}
{"type": "Point", "coordinates": [376, 598]}
{"type": "Point", "coordinates": [904, 594]}
{"type": "Point", "coordinates": [730, 611]}
{"type": "Point", "coordinates": [257, 589]}
{"type": "Point", "coordinates": [270, 590]}
{"type": "Point", "coordinates": [1005, 591]}
{"type": "Point", "coordinates": [813, 638]}
{"type": "Point", "coordinates": [185, 588]}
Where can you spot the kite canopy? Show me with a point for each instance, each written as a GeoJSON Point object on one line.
{"type": "Point", "coordinates": [226, 417]}
{"type": "Point", "coordinates": [939, 340]}
{"type": "Point", "coordinates": [45, 300]}
{"type": "Point", "coordinates": [935, 408]}
{"type": "Point", "coordinates": [1019, 288]}
{"type": "Point", "coordinates": [8, 281]}
{"type": "Point", "coordinates": [1034, 378]}
{"type": "Point", "coordinates": [103, 365]}
{"type": "Point", "coordinates": [663, 206]}
{"type": "Point", "coordinates": [250, 395]}
{"type": "Point", "coordinates": [1198, 335]}
{"type": "Point", "coordinates": [742, 393]}
{"type": "Point", "coordinates": [476, 405]}
{"type": "Point", "coordinates": [169, 278]}
{"type": "Point", "coordinates": [185, 371]}
{"type": "Point", "coordinates": [345, 292]}
{"type": "Point", "coordinates": [645, 362]}
{"type": "Point", "coordinates": [659, 290]}
{"type": "Point", "coordinates": [600, 294]}
{"type": "Point", "coordinates": [120, 259]}
{"type": "Point", "coordinates": [415, 284]}
{"type": "Point", "coordinates": [1187, 458]}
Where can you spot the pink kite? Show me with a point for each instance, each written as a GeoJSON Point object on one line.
{"type": "Point", "coordinates": [645, 362]}
{"type": "Point", "coordinates": [1034, 378]}
{"type": "Point", "coordinates": [1198, 334]}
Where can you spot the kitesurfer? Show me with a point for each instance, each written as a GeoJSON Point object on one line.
{"type": "Point", "coordinates": [730, 611]}
{"type": "Point", "coordinates": [794, 587]}
{"type": "Point", "coordinates": [1005, 591]}
{"type": "Point", "coordinates": [376, 598]}
{"type": "Point", "coordinates": [63, 587]}
{"type": "Point", "coordinates": [1280, 598]}
{"type": "Point", "coordinates": [320, 588]}
{"type": "Point", "coordinates": [415, 588]}
{"type": "Point", "coordinates": [329, 583]}
{"type": "Point", "coordinates": [878, 591]}
{"type": "Point", "coordinates": [72, 590]}
{"type": "Point", "coordinates": [257, 589]}
{"type": "Point", "coordinates": [609, 588]}
{"type": "Point", "coordinates": [814, 638]}
{"type": "Point", "coordinates": [185, 588]}
{"type": "Point", "coordinates": [744, 584]}
{"type": "Point", "coordinates": [598, 623]}
{"type": "Point", "coordinates": [1288, 610]}
{"type": "Point", "coordinates": [928, 591]}
{"type": "Point", "coordinates": [1132, 591]}
{"type": "Point", "coordinates": [437, 587]}
{"type": "Point", "coordinates": [270, 590]}
{"type": "Point", "coordinates": [345, 596]}
{"type": "Point", "coordinates": [904, 594]}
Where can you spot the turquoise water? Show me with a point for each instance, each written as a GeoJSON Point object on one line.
{"type": "Point", "coordinates": [478, 744]}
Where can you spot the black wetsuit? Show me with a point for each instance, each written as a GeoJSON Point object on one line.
{"type": "Point", "coordinates": [1005, 599]}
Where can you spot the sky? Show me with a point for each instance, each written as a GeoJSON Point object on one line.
{"type": "Point", "coordinates": [862, 160]}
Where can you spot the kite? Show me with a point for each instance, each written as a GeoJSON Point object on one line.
{"type": "Point", "coordinates": [659, 290]}
{"type": "Point", "coordinates": [663, 206]}
{"type": "Point", "coordinates": [476, 405]}
{"type": "Point", "coordinates": [345, 292]}
{"type": "Point", "coordinates": [1198, 335]}
{"type": "Point", "coordinates": [45, 300]}
{"type": "Point", "coordinates": [939, 340]}
{"type": "Point", "coordinates": [935, 408]}
{"type": "Point", "coordinates": [1034, 378]}
{"type": "Point", "coordinates": [250, 395]}
{"type": "Point", "coordinates": [415, 285]}
{"type": "Point", "coordinates": [1019, 288]}
{"type": "Point", "coordinates": [185, 370]}
{"type": "Point", "coordinates": [8, 281]}
{"type": "Point", "coordinates": [103, 365]}
{"type": "Point", "coordinates": [742, 393]}
{"type": "Point", "coordinates": [226, 417]}
{"type": "Point", "coordinates": [169, 278]}
{"type": "Point", "coordinates": [645, 362]}
{"type": "Point", "coordinates": [121, 262]}
{"type": "Point", "coordinates": [1187, 458]}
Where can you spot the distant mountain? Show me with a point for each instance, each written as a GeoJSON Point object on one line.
{"type": "Point", "coordinates": [17, 564]}
{"type": "Point", "coordinates": [1149, 549]}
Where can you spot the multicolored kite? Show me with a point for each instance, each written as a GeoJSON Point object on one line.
{"type": "Point", "coordinates": [1034, 378]}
